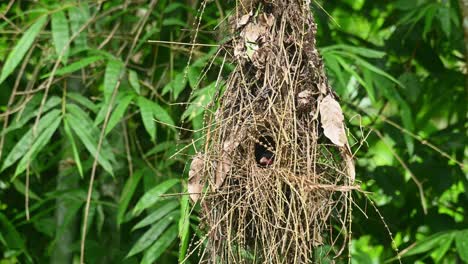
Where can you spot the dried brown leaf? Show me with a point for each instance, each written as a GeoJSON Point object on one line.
{"type": "Point", "coordinates": [332, 121]}
{"type": "Point", "coordinates": [244, 20]}
{"type": "Point", "coordinates": [222, 169]}
{"type": "Point", "coordinates": [195, 186]}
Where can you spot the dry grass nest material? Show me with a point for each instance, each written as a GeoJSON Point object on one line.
{"type": "Point", "coordinates": [292, 206]}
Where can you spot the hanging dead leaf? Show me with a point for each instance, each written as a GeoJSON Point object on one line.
{"type": "Point", "coordinates": [332, 121]}
{"type": "Point", "coordinates": [195, 186]}
{"type": "Point", "coordinates": [304, 98]}
{"type": "Point", "coordinates": [322, 88]}
{"type": "Point", "coordinates": [244, 20]}
{"type": "Point", "coordinates": [251, 32]}
{"type": "Point", "coordinates": [222, 170]}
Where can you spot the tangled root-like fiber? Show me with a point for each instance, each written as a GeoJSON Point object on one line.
{"type": "Point", "coordinates": [276, 186]}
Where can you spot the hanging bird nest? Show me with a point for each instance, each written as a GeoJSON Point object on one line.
{"type": "Point", "coordinates": [275, 176]}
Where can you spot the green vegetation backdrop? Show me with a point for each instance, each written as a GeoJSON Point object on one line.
{"type": "Point", "coordinates": [80, 78]}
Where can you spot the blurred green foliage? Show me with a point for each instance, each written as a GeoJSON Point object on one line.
{"type": "Point", "coordinates": [80, 83]}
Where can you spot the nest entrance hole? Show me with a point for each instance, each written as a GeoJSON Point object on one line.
{"type": "Point", "coordinates": [265, 151]}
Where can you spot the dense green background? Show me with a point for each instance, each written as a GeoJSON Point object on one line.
{"type": "Point", "coordinates": [398, 66]}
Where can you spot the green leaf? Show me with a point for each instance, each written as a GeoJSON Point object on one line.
{"type": "Point", "coordinates": [146, 110]}
{"type": "Point", "coordinates": [443, 14]}
{"type": "Point", "coordinates": [158, 248]}
{"type": "Point", "coordinates": [429, 243]}
{"type": "Point", "coordinates": [461, 241]}
{"type": "Point", "coordinates": [60, 34]}
{"type": "Point", "coordinates": [24, 144]}
{"type": "Point", "coordinates": [127, 194]}
{"type": "Point", "coordinates": [77, 65]}
{"type": "Point", "coordinates": [202, 98]}
{"type": "Point", "coordinates": [31, 110]}
{"type": "Point", "coordinates": [88, 134]}
{"type": "Point", "coordinates": [438, 253]}
{"type": "Point", "coordinates": [172, 21]}
{"type": "Point", "coordinates": [20, 49]}
{"type": "Point", "coordinates": [21, 188]}
{"type": "Point", "coordinates": [79, 15]}
{"type": "Point", "coordinates": [11, 236]}
{"type": "Point", "coordinates": [157, 214]}
{"type": "Point", "coordinates": [83, 101]}
{"type": "Point", "coordinates": [38, 144]}
{"type": "Point", "coordinates": [184, 225]}
{"type": "Point", "coordinates": [172, 7]}
{"type": "Point", "coordinates": [163, 116]}
{"type": "Point", "coordinates": [154, 195]}
{"type": "Point", "coordinates": [153, 234]}
{"type": "Point", "coordinates": [111, 78]}
{"type": "Point", "coordinates": [119, 112]}
{"type": "Point", "coordinates": [133, 80]}
{"type": "Point", "coordinates": [71, 139]}
{"type": "Point", "coordinates": [364, 52]}
{"type": "Point", "coordinates": [175, 86]}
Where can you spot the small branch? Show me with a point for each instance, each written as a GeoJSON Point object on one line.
{"type": "Point", "coordinates": [403, 164]}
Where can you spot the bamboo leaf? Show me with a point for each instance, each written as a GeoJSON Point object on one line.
{"type": "Point", "coordinates": [38, 144]}
{"type": "Point", "coordinates": [158, 248]}
{"type": "Point", "coordinates": [78, 17]}
{"type": "Point", "coordinates": [24, 144]}
{"type": "Point", "coordinates": [119, 112]}
{"type": "Point", "coordinates": [11, 236]}
{"type": "Point", "coordinates": [60, 34]}
{"type": "Point", "coordinates": [154, 195]}
{"type": "Point", "coordinates": [111, 77]}
{"type": "Point", "coordinates": [83, 101]}
{"type": "Point", "coordinates": [364, 52]}
{"type": "Point", "coordinates": [146, 111]}
{"type": "Point", "coordinates": [184, 225]}
{"type": "Point", "coordinates": [153, 234]}
{"type": "Point", "coordinates": [175, 86]}
{"type": "Point", "coordinates": [88, 134]}
{"type": "Point", "coordinates": [461, 242]}
{"type": "Point", "coordinates": [133, 80]}
{"type": "Point", "coordinates": [127, 194]}
{"type": "Point", "coordinates": [157, 214]}
{"type": "Point", "coordinates": [428, 244]}
{"type": "Point", "coordinates": [77, 65]}
{"type": "Point", "coordinates": [31, 111]}
{"type": "Point", "coordinates": [23, 45]}
{"type": "Point", "coordinates": [71, 139]}
{"type": "Point", "coordinates": [163, 116]}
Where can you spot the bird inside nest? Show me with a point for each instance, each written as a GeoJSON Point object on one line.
{"type": "Point", "coordinates": [264, 149]}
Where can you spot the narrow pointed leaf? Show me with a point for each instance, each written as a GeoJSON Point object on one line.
{"type": "Point", "coordinates": [77, 65]}
{"type": "Point", "coordinates": [60, 34]}
{"type": "Point", "coordinates": [158, 248]}
{"type": "Point", "coordinates": [111, 78]}
{"type": "Point", "coordinates": [461, 242]}
{"type": "Point", "coordinates": [154, 195]}
{"type": "Point", "coordinates": [76, 155]}
{"type": "Point", "coordinates": [24, 144]}
{"type": "Point", "coordinates": [153, 234]}
{"type": "Point", "coordinates": [184, 225]}
{"type": "Point", "coordinates": [20, 49]}
{"type": "Point", "coordinates": [133, 80]}
{"type": "Point", "coordinates": [88, 134]}
{"type": "Point", "coordinates": [163, 116]}
{"type": "Point", "coordinates": [78, 17]}
{"type": "Point", "coordinates": [119, 112]}
{"type": "Point", "coordinates": [127, 194]}
{"type": "Point", "coordinates": [146, 111]}
{"type": "Point", "coordinates": [157, 214]}
{"type": "Point", "coordinates": [39, 142]}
